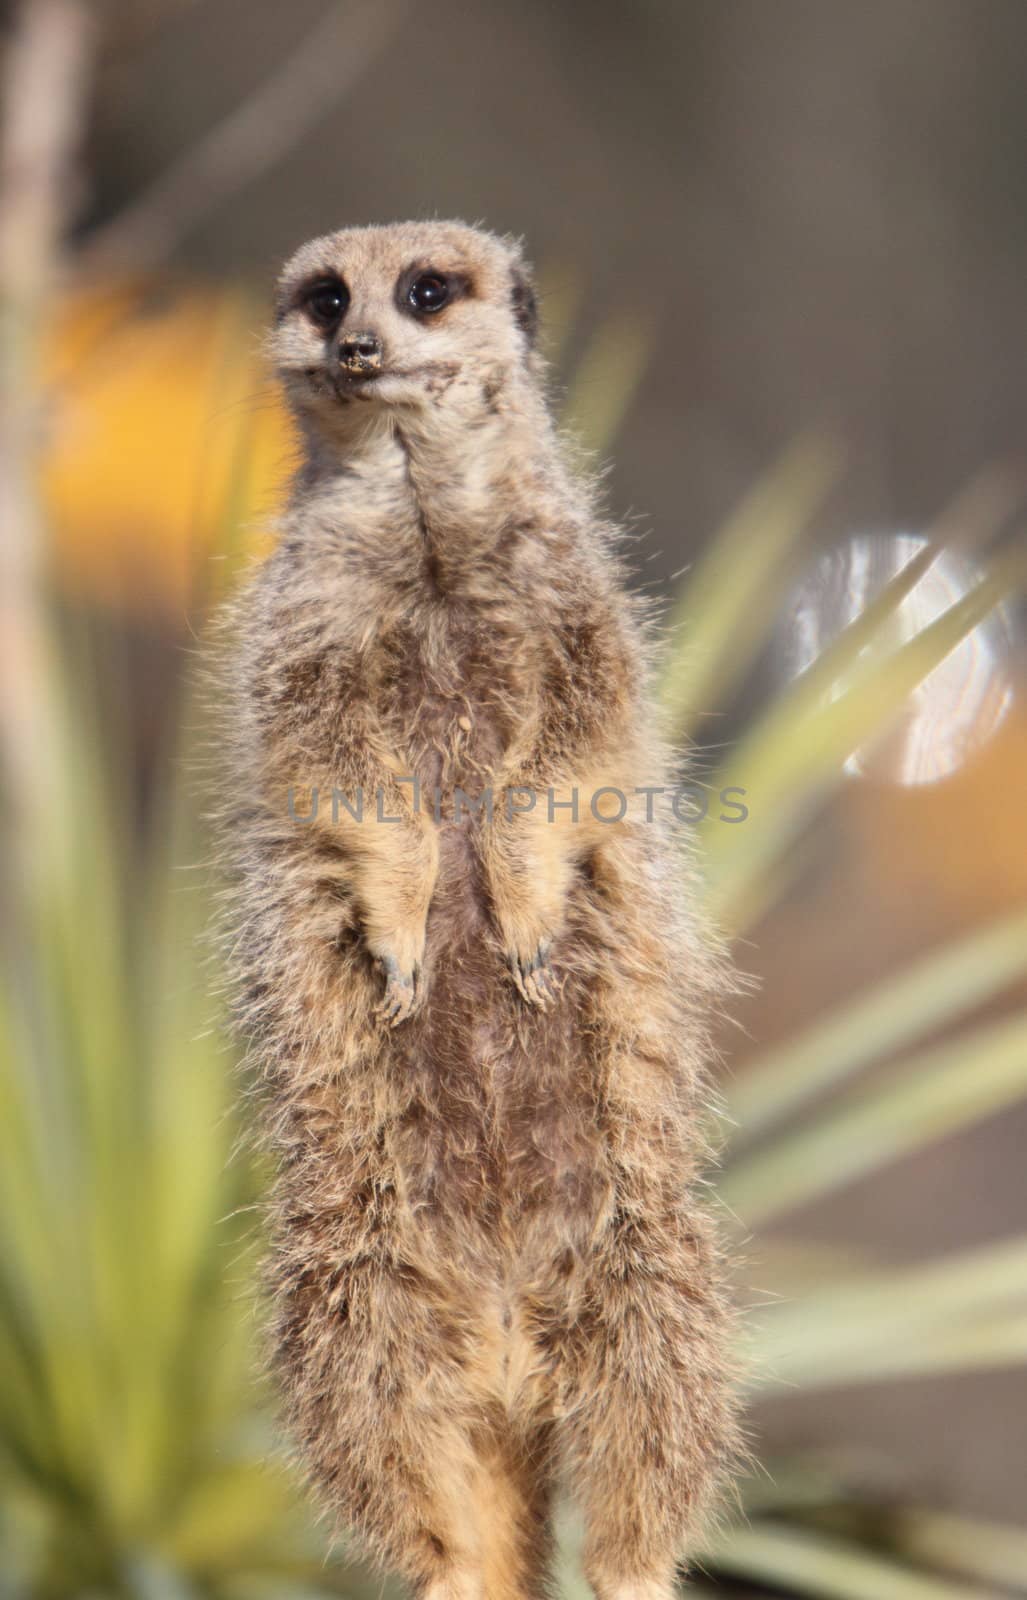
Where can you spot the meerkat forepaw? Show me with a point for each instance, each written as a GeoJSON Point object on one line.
{"type": "Point", "coordinates": [534, 976]}
{"type": "Point", "coordinates": [404, 991]}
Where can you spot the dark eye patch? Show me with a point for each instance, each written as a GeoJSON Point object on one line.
{"type": "Point", "coordinates": [298, 297]}
{"type": "Point", "coordinates": [325, 300]}
{"type": "Point", "coordinates": [423, 291]}
{"type": "Point", "coordinates": [429, 292]}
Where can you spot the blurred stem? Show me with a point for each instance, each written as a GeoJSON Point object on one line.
{"type": "Point", "coordinates": [45, 78]}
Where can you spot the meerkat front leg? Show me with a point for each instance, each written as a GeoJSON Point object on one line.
{"type": "Point", "coordinates": [545, 821]}
{"type": "Point", "coordinates": [537, 840]}
{"type": "Point", "coordinates": [529, 861]}
{"type": "Point", "coordinates": [377, 848]}
{"type": "Point", "coordinates": [393, 850]}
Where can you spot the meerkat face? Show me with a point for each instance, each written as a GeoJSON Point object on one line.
{"type": "Point", "coordinates": [414, 315]}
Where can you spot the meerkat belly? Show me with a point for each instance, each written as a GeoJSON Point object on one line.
{"type": "Point", "coordinates": [507, 1172]}
{"type": "Point", "coordinates": [450, 723]}
{"type": "Point", "coordinates": [520, 1143]}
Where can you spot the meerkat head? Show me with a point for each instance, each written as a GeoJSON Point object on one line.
{"type": "Point", "coordinates": [417, 315]}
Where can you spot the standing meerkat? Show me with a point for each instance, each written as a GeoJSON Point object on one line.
{"type": "Point", "coordinates": [467, 955]}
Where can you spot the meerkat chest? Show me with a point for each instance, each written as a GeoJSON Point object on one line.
{"type": "Point", "coordinates": [453, 687]}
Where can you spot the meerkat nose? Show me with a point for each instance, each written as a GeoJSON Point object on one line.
{"type": "Point", "coordinates": [361, 352]}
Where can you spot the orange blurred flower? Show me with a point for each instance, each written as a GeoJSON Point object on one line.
{"type": "Point", "coordinates": [165, 448]}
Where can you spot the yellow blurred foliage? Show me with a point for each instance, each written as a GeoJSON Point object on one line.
{"type": "Point", "coordinates": [165, 446]}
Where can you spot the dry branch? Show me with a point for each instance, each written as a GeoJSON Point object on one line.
{"type": "Point", "coordinates": [45, 80]}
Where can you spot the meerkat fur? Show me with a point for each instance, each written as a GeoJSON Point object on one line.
{"type": "Point", "coordinates": [482, 1029]}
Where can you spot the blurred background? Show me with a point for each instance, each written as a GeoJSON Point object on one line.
{"type": "Point", "coordinates": [782, 251]}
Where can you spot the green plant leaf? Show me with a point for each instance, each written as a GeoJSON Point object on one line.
{"type": "Point", "coordinates": [603, 386]}
{"type": "Point", "coordinates": [787, 765]}
{"type": "Point", "coordinates": [726, 610]}
{"type": "Point", "coordinates": [966, 1309]}
{"type": "Point", "coordinates": [988, 1551]}
{"type": "Point", "coordinates": [807, 1563]}
{"type": "Point", "coordinates": [943, 986]}
{"type": "Point", "coordinates": [945, 1088]}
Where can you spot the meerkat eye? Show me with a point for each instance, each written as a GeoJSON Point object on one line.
{"type": "Point", "coordinates": [326, 302]}
{"type": "Point", "coordinates": [429, 292]}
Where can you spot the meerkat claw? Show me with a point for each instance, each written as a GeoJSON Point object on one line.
{"type": "Point", "coordinates": [402, 992]}
{"type": "Point", "coordinates": [534, 976]}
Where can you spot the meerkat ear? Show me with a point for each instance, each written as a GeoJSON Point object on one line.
{"type": "Point", "coordinates": [524, 301]}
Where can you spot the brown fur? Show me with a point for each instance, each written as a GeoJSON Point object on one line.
{"type": "Point", "coordinates": [492, 1269]}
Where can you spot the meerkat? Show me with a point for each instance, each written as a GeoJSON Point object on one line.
{"type": "Point", "coordinates": [467, 955]}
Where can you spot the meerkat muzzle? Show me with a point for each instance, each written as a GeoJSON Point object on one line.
{"type": "Point", "coordinates": [360, 354]}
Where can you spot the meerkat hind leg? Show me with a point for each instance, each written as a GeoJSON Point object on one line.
{"type": "Point", "coordinates": [465, 1584]}
{"type": "Point", "coordinates": [512, 1492]}
{"type": "Point", "coordinates": [505, 1508]}
{"type": "Point", "coordinates": [445, 1560]}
